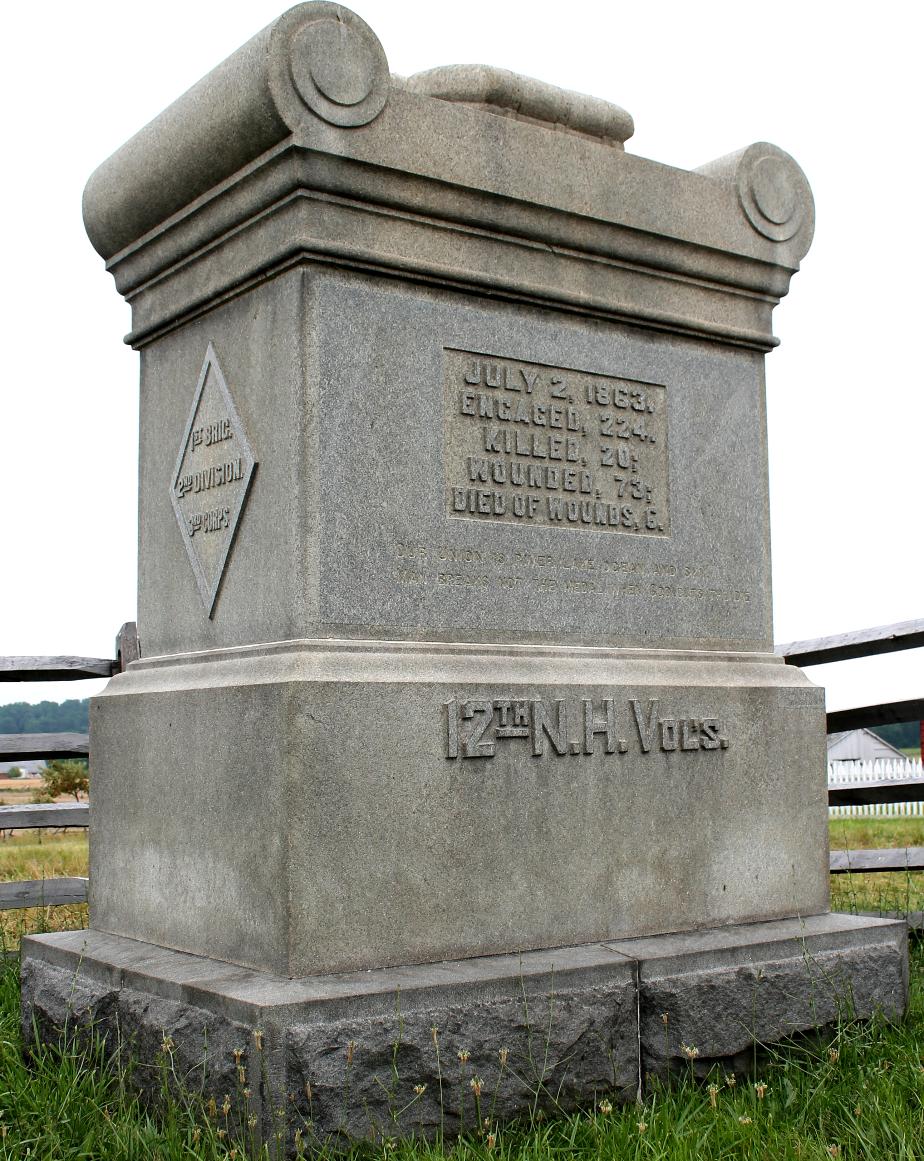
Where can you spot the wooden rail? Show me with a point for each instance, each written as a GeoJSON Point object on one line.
{"type": "Point", "coordinates": [43, 892]}
{"type": "Point", "coordinates": [876, 715]}
{"type": "Point", "coordinates": [863, 862]}
{"type": "Point", "coordinates": [861, 643]}
{"type": "Point", "coordinates": [55, 668]}
{"type": "Point", "coordinates": [67, 668]}
{"type": "Point", "coordinates": [879, 790]}
{"type": "Point", "coordinates": [844, 647]}
{"type": "Point", "coordinates": [23, 747]}
{"type": "Point", "coordinates": [33, 816]}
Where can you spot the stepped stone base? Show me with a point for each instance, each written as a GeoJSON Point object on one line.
{"type": "Point", "coordinates": [414, 1050]}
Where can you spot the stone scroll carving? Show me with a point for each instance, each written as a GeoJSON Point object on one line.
{"type": "Point", "coordinates": [318, 60]}
{"type": "Point", "coordinates": [773, 193]}
{"type": "Point", "coordinates": [336, 63]}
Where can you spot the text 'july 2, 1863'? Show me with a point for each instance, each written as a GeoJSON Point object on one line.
{"type": "Point", "coordinates": [532, 444]}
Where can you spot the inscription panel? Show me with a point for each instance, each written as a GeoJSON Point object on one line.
{"type": "Point", "coordinates": [575, 727]}
{"type": "Point", "coordinates": [527, 443]}
{"type": "Point", "coordinates": [211, 479]}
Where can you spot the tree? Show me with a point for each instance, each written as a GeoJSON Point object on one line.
{"type": "Point", "coordinates": [47, 717]}
{"type": "Point", "coordinates": [900, 734]}
{"type": "Point", "coordinates": [64, 776]}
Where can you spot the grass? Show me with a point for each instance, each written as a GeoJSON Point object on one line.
{"type": "Point", "coordinates": [858, 1095]}
{"type": "Point", "coordinates": [70, 1105]}
{"type": "Point", "coordinates": [36, 854]}
{"type": "Point", "coordinates": [888, 890]}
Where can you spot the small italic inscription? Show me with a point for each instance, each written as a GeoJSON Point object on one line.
{"type": "Point", "coordinates": [211, 480]}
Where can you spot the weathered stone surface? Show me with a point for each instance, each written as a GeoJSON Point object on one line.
{"type": "Point", "coordinates": [494, 1060]}
{"type": "Point", "coordinates": [454, 603]}
{"type": "Point", "coordinates": [324, 550]}
{"type": "Point", "coordinates": [327, 768]}
{"type": "Point", "coordinates": [728, 992]}
{"type": "Point", "coordinates": [502, 383]}
{"type": "Point", "coordinates": [508, 94]}
{"type": "Point", "coordinates": [169, 1042]}
{"type": "Point", "coordinates": [413, 1050]}
{"type": "Point", "coordinates": [505, 240]}
{"type": "Point", "coordinates": [55, 999]}
{"type": "Point", "coordinates": [214, 453]}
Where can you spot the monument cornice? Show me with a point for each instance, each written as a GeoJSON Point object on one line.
{"type": "Point", "coordinates": [248, 168]}
{"type": "Point", "coordinates": [345, 660]}
{"type": "Point", "coordinates": [292, 206]}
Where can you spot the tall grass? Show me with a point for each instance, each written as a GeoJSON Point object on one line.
{"type": "Point", "coordinates": [884, 891]}
{"type": "Point", "coordinates": [77, 1105]}
{"type": "Point", "coordinates": [858, 1095]}
{"type": "Point", "coordinates": [37, 854]}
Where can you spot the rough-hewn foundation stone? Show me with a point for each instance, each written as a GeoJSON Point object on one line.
{"type": "Point", "coordinates": [403, 1050]}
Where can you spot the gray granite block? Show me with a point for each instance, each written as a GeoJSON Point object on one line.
{"type": "Point", "coordinates": [730, 991]}
{"type": "Point", "coordinates": [450, 1067]}
{"type": "Point", "coordinates": [311, 807]}
{"type": "Point", "coordinates": [419, 1049]}
{"type": "Point", "coordinates": [454, 608]}
{"type": "Point", "coordinates": [454, 573]}
{"type": "Point", "coordinates": [160, 1041]}
{"type": "Point", "coordinates": [463, 285]}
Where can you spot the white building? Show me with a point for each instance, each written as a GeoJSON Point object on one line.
{"type": "Point", "coordinates": [860, 746]}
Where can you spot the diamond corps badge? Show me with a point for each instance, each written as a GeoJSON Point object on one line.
{"type": "Point", "coordinates": [212, 478]}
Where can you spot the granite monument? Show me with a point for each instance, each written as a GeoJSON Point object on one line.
{"type": "Point", "coordinates": [457, 721]}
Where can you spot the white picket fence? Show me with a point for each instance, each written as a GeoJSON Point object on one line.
{"type": "Point", "coordinates": [881, 769]}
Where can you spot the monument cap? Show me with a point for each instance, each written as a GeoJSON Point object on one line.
{"type": "Point", "coordinates": [510, 94]}
{"type": "Point", "coordinates": [309, 103]}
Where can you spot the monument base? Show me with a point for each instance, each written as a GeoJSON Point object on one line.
{"type": "Point", "coordinates": [463, 1044]}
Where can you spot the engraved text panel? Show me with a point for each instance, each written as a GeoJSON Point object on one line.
{"type": "Point", "coordinates": [532, 444]}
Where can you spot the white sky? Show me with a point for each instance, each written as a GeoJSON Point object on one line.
{"type": "Point", "coordinates": [836, 85]}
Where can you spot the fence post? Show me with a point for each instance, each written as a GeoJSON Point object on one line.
{"type": "Point", "coordinates": [128, 647]}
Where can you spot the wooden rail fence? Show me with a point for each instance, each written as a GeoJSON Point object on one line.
{"type": "Point", "coordinates": [844, 647]}
{"type": "Point", "coordinates": [864, 643]}
{"type": "Point", "coordinates": [22, 747]}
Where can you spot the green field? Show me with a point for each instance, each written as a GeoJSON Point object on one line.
{"type": "Point", "coordinates": [885, 891]}
{"type": "Point", "coordinates": [36, 854]}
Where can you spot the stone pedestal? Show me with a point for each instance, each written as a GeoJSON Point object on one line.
{"type": "Point", "coordinates": [454, 573]}
{"type": "Point", "coordinates": [333, 806]}
{"type": "Point", "coordinates": [418, 1050]}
